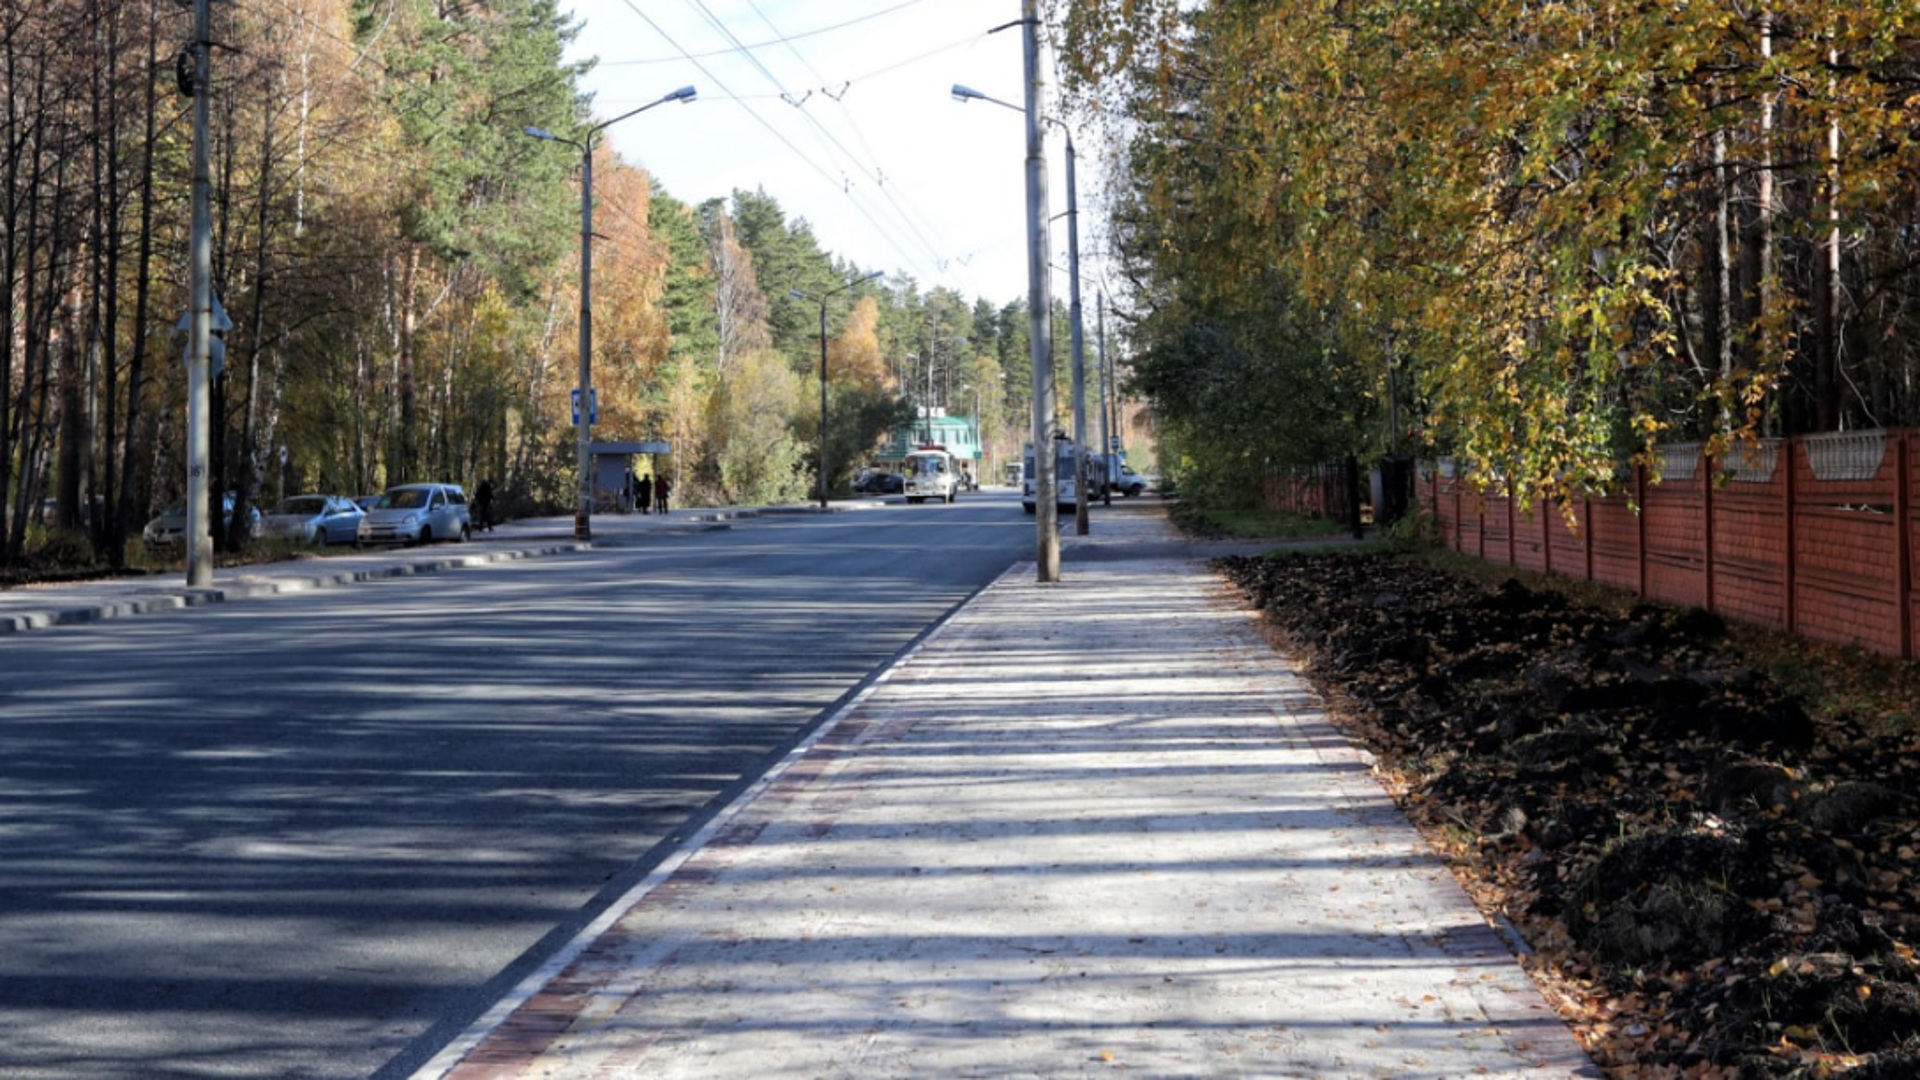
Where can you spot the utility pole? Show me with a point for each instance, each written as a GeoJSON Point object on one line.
{"type": "Point", "coordinates": [1106, 429]}
{"type": "Point", "coordinates": [1116, 435]}
{"type": "Point", "coordinates": [926, 405]}
{"type": "Point", "coordinates": [198, 541]}
{"type": "Point", "coordinates": [1039, 310]}
{"type": "Point", "coordinates": [822, 301]}
{"type": "Point", "coordinates": [823, 403]}
{"type": "Point", "coordinates": [583, 391]}
{"type": "Point", "coordinates": [1080, 525]}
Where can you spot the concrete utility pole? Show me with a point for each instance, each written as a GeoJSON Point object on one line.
{"type": "Point", "coordinates": [1106, 429]}
{"type": "Point", "coordinates": [1080, 526]}
{"type": "Point", "coordinates": [822, 301]}
{"type": "Point", "coordinates": [823, 401]}
{"type": "Point", "coordinates": [1039, 303]}
{"type": "Point", "coordinates": [1039, 310]}
{"type": "Point", "coordinates": [583, 418]}
{"type": "Point", "coordinates": [198, 540]}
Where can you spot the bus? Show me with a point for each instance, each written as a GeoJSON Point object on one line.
{"type": "Point", "coordinates": [931, 474]}
{"type": "Point", "coordinates": [1065, 472]}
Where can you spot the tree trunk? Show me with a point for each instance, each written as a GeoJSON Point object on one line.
{"type": "Point", "coordinates": [407, 444]}
{"type": "Point", "coordinates": [1720, 319]}
{"type": "Point", "coordinates": [140, 423]}
{"type": "Point", "coordinates": [252, 464]}
{"type": "Point", "coordinates": [1826, 304]}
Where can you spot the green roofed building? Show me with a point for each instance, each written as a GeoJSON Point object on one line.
{"type": "Point", "coordinates": [958, 435]}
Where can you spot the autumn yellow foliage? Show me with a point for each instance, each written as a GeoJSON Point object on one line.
{"type": "Point", "coordinates": [1580, 228]}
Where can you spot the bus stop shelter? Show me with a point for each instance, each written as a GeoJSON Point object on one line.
{"type": "Point", "coordinates": [613, 462]}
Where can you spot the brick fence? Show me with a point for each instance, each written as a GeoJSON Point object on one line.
{"type": "Point", "coordinates": [1815, 534]}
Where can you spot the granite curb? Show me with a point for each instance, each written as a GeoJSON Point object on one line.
{"type": "Point", "coordinates": [138, 601]}
{"type": "Point", "coordinates": [79, 603]}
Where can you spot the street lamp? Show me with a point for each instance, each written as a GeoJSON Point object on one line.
{"type": "Point", "coordinates": [1108, 444]}
{"type": "Point", "coordinates": [1039, 315]}
{"type": "Point", "coordinates": [583, 417]}
{"type": "Point", "coordinates": [964, 94]}
{"type": "Point", "coordinates": [1080, 526]}
{"type": "Point", "coordinates": [822, 301]}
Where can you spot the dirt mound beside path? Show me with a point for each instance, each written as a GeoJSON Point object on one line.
{"type": "Point", "coordinates": [1715, 882]}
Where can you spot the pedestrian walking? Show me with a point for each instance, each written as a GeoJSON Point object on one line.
{"type": "Point", "coordinates": [644, 494]}
{"type": "Point", "coordinates": [662, 487]}
{"type": "Point", "coordinates": [483, 504]}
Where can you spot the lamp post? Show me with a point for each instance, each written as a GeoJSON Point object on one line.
{"type": "Point", "coordinates": [1039, 315]}
{"type": "Point", "coordinates": [1107, 441]}
{"type": "Point", "coordinates": [1080, 524]}
{"type": "Point", "coordinates": [931, 354]}
{"type": "Point", "coordinates": [822, 301]}
{"type": "Point", "coordinates": [1080, 527]}
{"type": "Point", "coordinates": [905, 374]}
{"type": "Point", "coordinates": [583, 418]}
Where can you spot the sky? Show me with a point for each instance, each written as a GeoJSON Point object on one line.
{"type": "Point", "coordinates": [842, 111]}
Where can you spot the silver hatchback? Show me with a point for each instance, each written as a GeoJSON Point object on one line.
{"type": "Point", "coordinates": [417, 514]}
{"type": "Point", "coordinates": [313, 519]}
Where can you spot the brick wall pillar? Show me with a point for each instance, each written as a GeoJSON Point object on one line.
{"type": "Point", "coordinates": [1903, 543]}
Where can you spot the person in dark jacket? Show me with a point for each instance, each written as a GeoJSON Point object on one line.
{"type": "Point", "coordinates": [483, 504]}
{"type": "Point", "coordinates": [662, 487]}
{"type": "Point", "coordinates": [643, 494]}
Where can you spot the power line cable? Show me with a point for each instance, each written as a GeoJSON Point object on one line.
{"type": "Point", "coordinates": [799, 103]}
{"type": "Point", "coordinates": [763, 44]}
{"type": "Point", "coordinates": [776, 133]}
{"type": "Point", "coordinates": [862, 77]}
{"type": "Point", "coordinates": [786, 95]}
{"type": "Point", "coordinates": [879, 171]}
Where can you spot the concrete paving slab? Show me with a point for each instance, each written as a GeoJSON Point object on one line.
{"type": "Point", "coordinates": [1086, 827]}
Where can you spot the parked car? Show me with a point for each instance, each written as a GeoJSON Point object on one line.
{"type": "Point", "coordinates": [417, 514]}
{"type": "Point", "coordinates": [170, 527]}
{"type": "Point", "coordinates": [313, 519]}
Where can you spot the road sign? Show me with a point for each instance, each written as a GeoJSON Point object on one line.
{"type": "Point", "coordinates": [216, 339]}
{"type": "Point", "coordinates": [593, 406]}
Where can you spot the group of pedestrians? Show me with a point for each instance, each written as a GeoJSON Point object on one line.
{"type": "Point", "coordinates": [648, 494]}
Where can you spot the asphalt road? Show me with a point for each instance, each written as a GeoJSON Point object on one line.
{"type": "Point", "coordinates": [316, 836]}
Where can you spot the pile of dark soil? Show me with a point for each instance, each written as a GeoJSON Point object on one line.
{"type": "Point", "coordinates": [1715, 883]}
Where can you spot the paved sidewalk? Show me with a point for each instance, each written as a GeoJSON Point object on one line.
{"type": "Point", "coordinates": [34, 607]}
{"type": "Point", "coordinates": [1084, 828]}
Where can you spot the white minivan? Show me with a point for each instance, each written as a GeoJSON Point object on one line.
{"type": "Point", "coordinates": [930, 474]}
